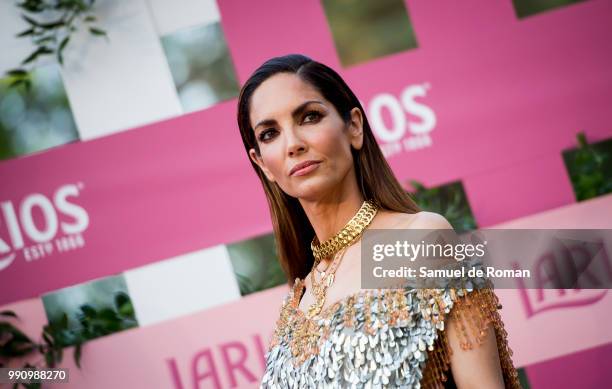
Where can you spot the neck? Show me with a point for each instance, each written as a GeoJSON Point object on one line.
{"type": "Point", "coordinates": [329, 216]}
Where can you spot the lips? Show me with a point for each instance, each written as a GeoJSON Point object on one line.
{"type": "Point", "coordinates": [302, 165]}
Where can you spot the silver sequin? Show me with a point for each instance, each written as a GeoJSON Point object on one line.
{"type": "Point", "coordinates": [394, 356]}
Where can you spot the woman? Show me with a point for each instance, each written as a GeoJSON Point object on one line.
{"type": "Point", "coordinates": [326, 181]}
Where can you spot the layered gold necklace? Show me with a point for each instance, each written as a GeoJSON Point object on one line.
{"type": "Point", "coordinates": [336, 247]}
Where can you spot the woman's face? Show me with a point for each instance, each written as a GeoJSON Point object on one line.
{"type": "Point", "coordinates": [293, 124]}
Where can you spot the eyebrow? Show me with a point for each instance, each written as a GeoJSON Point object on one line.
{"type": "Point", "coordinates": [296, 112]}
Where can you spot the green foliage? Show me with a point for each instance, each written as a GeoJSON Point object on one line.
{"type": "Point", "coordinates": [365, 30]}
{"type": "Point", "coordinates": [246, 284]}
{"type": "Point", "coordinates": [256, 264]}
{"type": "Point", "coordinates": [524, 8]}
{"type": "Point", "coordinates": [16, 77]}
{"type": "Point", "coordinates": [35, 118]}
{"type": "Point", "coordinates": [201, 66]}
{"type": "Point", "coordinates": [58, 334]}
{"type": "Point", "coordinates": [15, 344]}
{"type": "Point", "coordinates": [51, 38]}
{"type": "Point", "coordinates": [523, 379]}
{"type": "Point", "coordinates": [590, 168]}
{"type": "Point", "coordinates": [449, 201]}
{"type": "Point", "coordinates": [274, 276]}
{"type": "Point", "coordinates": [94, 323]}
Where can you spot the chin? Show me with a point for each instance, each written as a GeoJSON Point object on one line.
{"type": "Point", "coordinates": [313, 190]}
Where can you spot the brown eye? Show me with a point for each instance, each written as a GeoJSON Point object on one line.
{"type": "Point", "coordinates": [311, 116]}
{"type": "Point", "coordinates": [265, 135]}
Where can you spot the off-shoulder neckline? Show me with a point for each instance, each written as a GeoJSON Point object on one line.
{"type": "Point", "coordinates": [300, 287]}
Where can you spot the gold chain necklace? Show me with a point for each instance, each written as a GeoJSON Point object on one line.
{"type": "Point", "coordinates": [347, 234]}
{"type": "Point", "coordinates": [319, 289]}
{"type": "Point", "coordinates": [334, 246]}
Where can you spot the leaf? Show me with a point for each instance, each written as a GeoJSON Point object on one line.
{"type": "Point", "coordinates": [582, 142]}
{"type": "Point", "coordinates": [17, 72]}
{"type": "Point", "coordinates": [47, 339]}
{"type": "Point", "coordinates": [60, 49]}
{"type": "Point", "coordinates": [108, 314]}
{"type": "Point", "coordinates": [16, 343]}
{"type": "Point", "coordinates": [90, 18]}
{"type": "Point", "coordinates": [82, 5]}
{"type": "Point", "coordinates": [31, 21]}
{"type": "Point", "coordinates": [9, 313]}
{"type": "Point", "coordinates": [31, 57]}
{"type": "Point", "coordinates": [77, 354]}
{"type": "Point", "coordinates": [28, 84]}
{"type": "Point", "coordinates": [64, 321]}
{"type": "Point", "coordinates": [46, 26]}
{"type": "Point", "coordinates": [27, 32]}
{"type": "Point", "coordinates": [40, 51]}
{"type": "Point", "coordinates": [32, 6]}
{"type": "Point", "coordinates": [44, 39]}
{"type": "Point", "coordinates": [97, 31]}
{"type": "Point", "coordinates": [49, 358]}
{"type": "Point", "coordinates": [417, 185]}
{"type": "Point", "coordinates": [88, 310]}
{"type": "Point", "coordinates": [121, 299]}
{"type": "Point", "coordinates": [124, 305]}
{"type": "Point", "coordinates": [59, 354]}
{"type": "Point", "coordinates": [20, 81]}
{"type": "Point", "coordinates": [14, 331]}
{"type": "Point", "coordinates": [48, 329]}
{"type": "Point", "coordinates": [52, 25]}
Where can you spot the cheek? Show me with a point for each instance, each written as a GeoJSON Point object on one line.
{"type": "Point", "coordinates": [328, 141]}
{"type": "Point", "coordinates": [336, 148]}
{"type": "Point", "coordinates": [272, 159]}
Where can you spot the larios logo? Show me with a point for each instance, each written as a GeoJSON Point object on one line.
{"type": "Point", "coordinates": [588, 267]}
{"type": "Point", "coordinates": [54, 236]}
{"type": "Point", "coordinates": [402, 134]}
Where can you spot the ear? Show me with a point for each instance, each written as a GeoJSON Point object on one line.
{"type": "Point", "coordinates": [259, 161]}
{"type": "Point", "coordinates": [355, 128]}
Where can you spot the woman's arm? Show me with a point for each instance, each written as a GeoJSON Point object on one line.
{"type": "Point", "coordinates": [478, 367]}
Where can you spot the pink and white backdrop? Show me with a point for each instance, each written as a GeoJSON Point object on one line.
{"type": "Point", "coordinates": [155, 194]}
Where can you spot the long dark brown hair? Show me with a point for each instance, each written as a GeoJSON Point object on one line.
{"type": "Point", "coordinates": [292, 229]}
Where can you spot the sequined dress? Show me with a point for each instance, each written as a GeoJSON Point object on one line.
{"type": "Point", "coordinates": [381, 338]}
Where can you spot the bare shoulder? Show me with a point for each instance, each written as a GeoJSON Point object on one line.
{"type": "Point", "coordinates": [430, 220]}
{"type": "Point", "coordinates": [421, 220]}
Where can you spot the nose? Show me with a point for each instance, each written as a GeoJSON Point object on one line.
{"type": "Point", "coordinates": [295, 144]}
